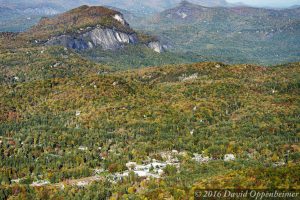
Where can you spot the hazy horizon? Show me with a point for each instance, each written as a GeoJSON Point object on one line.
{"type": "Point", "coordinates": [268, 3]}
{"type": "Point", "coordinates": [152, 3]}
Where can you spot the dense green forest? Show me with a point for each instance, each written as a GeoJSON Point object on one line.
{"type": "Point", "coordinates": [97, 124]}
{"type": "Point", "coordinates": [220, 43]}
{"type": "Point", "coordinates": [231, 35]}
{"type": "Point", "coordinates": [63, 122]}
{"type": "Point", "coordinates": [138, 56]}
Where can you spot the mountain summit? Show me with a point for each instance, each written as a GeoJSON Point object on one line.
{"type": "Point", "coordinates": [207, 3]}
{"type": "Point", "coordinates": [81, 18]}
{"type": "Point", "coordinates": [229, 34]}
{"type": "Point", "coordinates": [190, 12]}
{"type": "Point", "coordinates": [88, 27]}
{"type": "Point", "coordinates": [136, 6]}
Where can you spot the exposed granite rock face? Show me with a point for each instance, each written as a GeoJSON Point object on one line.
{"type": "Point", "coordinates": [108, 38]}
{"type": "Point", "coordinates": [156, 46]}
{"type": "Point", "coordinates": [68, 41]}
{"type": "Point", "coordinates": [98, 37]}
{"type": "Point", "coordinates": [121, 19]}
{"type": "Point", "coordinates": [89, 27]}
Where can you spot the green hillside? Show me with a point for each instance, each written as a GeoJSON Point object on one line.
{"type": "Point", "coordinates": [130, 123]}
{"type": "Point", "coordinates": [75, 20]}
{"type": "Point", "coordinates": [63, 128]}
{"type": "Point", "coordinates": [231, 35]}
{"type": "Point", "coordinates": [139, 56]}
{"type": "Point", "coordinates": [38, 63]}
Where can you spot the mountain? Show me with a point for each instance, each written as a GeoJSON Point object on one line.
{"type": "Point", "coordinates": [190, 13]}
{"type": "Point", "coordinates": [5, 10]}
{"type": "Point", "coordinates": [295, 6]}
{"type": "Point", "coordinates": [78, 122]}
{"type": "Point", "coordinates": [95, 33]}
{"type": "Point", "coordinates": [70, 128]}
{"type": "Point", "coordinates": [135, 6]}
{"type": "Point", "coordinates": [228, 34]}
{"type": "Point", "coordinates": [87, 28]}
{"type": "Point", "coordinates": [18, 19]}
{"type": "Point", "coordinates": [207, 3]}
{"type": "Point", "coordinates": [29, 12]}
{"type": "Point", "coordinates": [46, 7]}
{"type": "Point", "coordinates": [131, 5]}
{"type": "Point", "coordinates": [34, 7]}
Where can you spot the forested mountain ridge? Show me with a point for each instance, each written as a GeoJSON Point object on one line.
{"type": "Point", "coordinates": [231, 35]}
{"type": "Point", "coordinates": [88, 27]}
{"type": "Point", "coordinates": [132, 5]}
{"type": "Point", "coordinates": [197, 12]}
{"type": "Point", "coordinates": [77, 121]}
{"type": "Point", "coordinates": [79, 18]}
{"type": "Point", "coordinates": [23, 14]}
{"type": "Point", "coordinates": [74, 126]}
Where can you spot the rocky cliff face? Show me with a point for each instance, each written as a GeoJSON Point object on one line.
{"type": "Point", "coordinates": [156, 46]}
{"type": "Point", "coordinates": [106, 38]}
{"type": "Point", "coordinates": [108, 31]}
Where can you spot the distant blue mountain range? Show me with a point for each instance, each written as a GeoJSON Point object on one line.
{"type": "Point", "coordinates": [135, 6]}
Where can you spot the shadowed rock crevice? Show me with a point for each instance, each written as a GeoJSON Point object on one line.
{"type": "Point", "coordinates": [107, 39]}
{"type": "Point", "coordinates": [100, 28]}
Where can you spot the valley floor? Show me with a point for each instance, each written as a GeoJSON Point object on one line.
{"type": "Point", "coordinates": [155, 133]}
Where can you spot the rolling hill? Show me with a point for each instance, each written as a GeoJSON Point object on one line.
{"type": "Point", "coordinates": [96, 33]}
{"type": "Point", "coordinates": [35, 9]}
{"type": "Point", "coordinates": [232, 35]}
{"type": "Point", "coordinates": [131, 5]}
{"type": "Point", "coordinates": [72, 128]}
{"type": "Point", "coordinates": [60, 131]}
{"type": "Point", "coordinates": [19, 15]}
{"type": "Point", "coordinates": [87, 27]}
